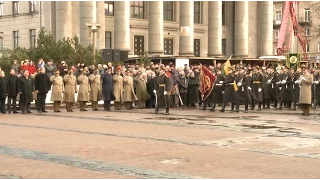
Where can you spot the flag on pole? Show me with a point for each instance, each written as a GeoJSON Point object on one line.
{"type": "Point", "coordinates": [207, 80]}
{"type": "Point", "coordinates": [225, 72]}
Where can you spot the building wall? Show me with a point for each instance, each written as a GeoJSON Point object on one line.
{"type": "Point", "coordinates": [171, 29]}
{"type": "Point", "coordinates": [313, 25]}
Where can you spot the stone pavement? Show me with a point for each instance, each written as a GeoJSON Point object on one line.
{"type": "Point", "coordinates": [136, 143]}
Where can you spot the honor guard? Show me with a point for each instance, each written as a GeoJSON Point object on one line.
{"type": "Point", "coordinates": [271, 88]}
{"type": "Point", "coordinates": [162, 88]}
{"type": "Point", "coordinates": [256, 87]}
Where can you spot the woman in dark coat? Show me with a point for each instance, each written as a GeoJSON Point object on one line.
{"type": "Point", "coordinates": [193, 89]}
{"type": "Point", "coordinates": [107, 89]}
{"type": "Point", "coordinates": [26, 88]}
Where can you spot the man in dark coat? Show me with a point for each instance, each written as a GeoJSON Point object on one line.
{"type": "Point", "coordinates": [296, 87]}
{"type": "Point", "coordinates": [4, 90]}
{"type": "Point", "coordinates": [229, 91]}
{"type": "Point", "coordinates": [42, 86]}
{"type": "Point", "coordinates": [13, 82]}
{"type": "Point", "coordinates": [183, 87]}
{"type": "Point", "coordinates": [286, 88]}
{"type": "Point", "coordinates": [257, 87]}
{"type": "Point", "coordinates": [162, 88]}
{"type": "Point", "coordinates": [217, 90]}
{"type": "Point", "coordinates": [242, 95]}
{"type": "Point", "coordinates": [26, 88]}
{"type": "Point", "coordinates": [107, 89]}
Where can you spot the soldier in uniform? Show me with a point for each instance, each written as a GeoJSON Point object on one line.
{"type": "Point", "coordinates": [70, 84]}
{"type": "Point", "coordinates": [229, 92]}
{"type": "Point", "coordinates": [257, 87]}
{"type": "Point", "coordinates": [163, 86]}
{"type": "Point", "coordinates": [271, 88]}
{"type": "Point", "coordinates": [57, 90]}
{"type": "Point", "coordinates": [286, 88]}
{"type": "Point", "coordinates": [296, 87]}
{"type": "Point", "coordinates": [217, 90]}
{"type": "Point", "coordinates": [316, 89]}
{"type": "Point", "coordinates": [242, 95]}
{"type": "Point", "coordinates": [84, 89]}
{"type": "Point", "coordinates": [95, 87]}
{"type": "Point", "coordinates": [305, 91]}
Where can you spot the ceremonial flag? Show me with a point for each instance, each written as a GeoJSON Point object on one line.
{"type": "Point", "coordinates": [293, 60]}
{"type": "Point", "coordinates": [225, 72]}
{"type": "Point", "coordinates": [206, 82]}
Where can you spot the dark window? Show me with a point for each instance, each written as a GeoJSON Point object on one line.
{"type": "Point", "coordinates": [196, 47]}
{"type": "Point", "coordinates": [33, 38]}
{"type": "Point", "coordinates": [108, 8]}
{"type": "Point", "coordinates": [224, 46]}
{"type": "Point", "coordinates": [32, 5]}
{"type": "Point", "coordinates": [138, 45]}
{"type": "Point", "coordinates": [168, 10]}
{"type": "Point", "coordinates": [223, 13]}
{"type": "Point", "coordinates": [168, 46]}
{"type": "Point", "coordinates": [15, 7]}
{"type": "Point", "coordinates": [137, 9]}
{"type": "Point", "coordinates": [15, 39]}
{"type": "Point", "coordinates": [197, 12]}
{"type": "Point", "coordinates": [1, 8]}
{"type": "Point", "coordinates": [108, 40]}
{"type": "Point", "coordinates": [307, 48]}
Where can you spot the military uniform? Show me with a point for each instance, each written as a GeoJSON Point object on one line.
{"type": "Point", "coordinates": [305, 94]}
{"type": "Point", "coordinates": [316, 90]}
{"type": "Point", "coordinates": [296, 89]}
{"type": "Point", "coordinates": [257, 87]}
{"type": "Point", "coordinates": [229, 92]}
{"type": "Point", "coordinates": [217, 92]}
{"type": "Point", "coordinates": [271, 89]}
{"type": "Point", "coordinates": [242, 95]}
{"type": "Point", "coordinates": [286, 89]}
{"type": "Point", "coordinates": [163, 85]}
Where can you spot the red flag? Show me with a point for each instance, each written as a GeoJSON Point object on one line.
{"type": "Point", "coordinates": [206, 82]}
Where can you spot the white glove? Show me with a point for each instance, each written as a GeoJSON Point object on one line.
{"type": "Point", "coordinates": [249, 88]}
{"type": "Point", "coordinates": [220, 82]}
{"type": "Point", "coordinates": [269, 81]}
{"type": "Point", "coordinates": [317, 82]}
{"type": "Point", "coordinates": [297, 82]}
{"type": "Point", "coordinates": [165, 93]}
{"type": "Point", "coordinates": [239, 84]}
{"type": "Point", "coordinates": [154, 91]}
{"type": "Point", "coordinates": [222, 92]}
{"type": "Point", "coordinates": [259, 90]}
{"type": "Point", "coordinates": [283, 81]}
{"type": "Point", "coordinates": [279, 88]}
{"type": "Point", "coordinates": [303, 78]}
{"type": "Point", "coordinates": [277, 82]}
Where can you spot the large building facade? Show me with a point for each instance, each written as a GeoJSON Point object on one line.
{"type": "Point", "coordinates": [161, 28]}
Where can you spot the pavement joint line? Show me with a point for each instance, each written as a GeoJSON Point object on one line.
{"type": "Point", "coordinates": [197, 126]}
{"type": "Point", "coordinates": [164, 140]}
{"type": "Point", "coordinates": [91, 164]}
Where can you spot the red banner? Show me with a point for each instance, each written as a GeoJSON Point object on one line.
{"type": "Point", "coordinates": [206, 82]}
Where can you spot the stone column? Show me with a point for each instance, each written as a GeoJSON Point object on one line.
{"type": "Point", "coordinates": [76, 18]}
{"type": "Point", "coordinates": [122, 25]}
{"type": "Point", "coordinates": [63, 19]}
{"type": "Point", "coordinates": [86, 16]}
{"type": "Point", "coordinates": [155, 25]}
{"type": "Point", "coordinates": [266, 28]}
{"type": "Point", "coordinates": [101, 19]}
{"type": "Point", "coordinates": [253, 39]}
{"type": "Point", "coordinates": [241, 29]}
{"type": "Point", "coordinates": [186, 28]}
{"type": "Point", "coordinates": [215, 28]}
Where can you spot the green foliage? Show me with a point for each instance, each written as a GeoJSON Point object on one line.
{"type": "Point", "coordinates": [68, 49]}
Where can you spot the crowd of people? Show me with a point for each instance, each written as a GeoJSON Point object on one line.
{"type": "Point", "coordinates": [154, 86]}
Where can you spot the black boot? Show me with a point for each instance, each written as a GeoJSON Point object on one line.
{"type": "Point", "coordinates": [294, 105]}
{"type": "Point", "coordinates": [204, 106]}
{"type": "Point", "coordinates": [232, 107]}
{"type": "Point", "coordinates": [213, 107]}
{"type": "Point", "coordinates": [156, 109]}
{"type": "Point", "coordinates": [237, 107]}
{"type": "Point", "coordinates": [223, 107]}
{"type": "Point", "coordinates": [268, 105]}
{"type": "Point", "coordinates": [246, 107]}
{"type": "Point", "coordinates": [259, 106]}
{"type": "Point", "coordinates": [167, 111]}
{"type": "Point", "coordinates": [253, 106]}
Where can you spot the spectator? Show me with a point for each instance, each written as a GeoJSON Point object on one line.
{"type": "Point", "coordinates": [63, 68]}
{"type": "Point", "coordinates": [49, 68]}
{"type": "Point", "coordinates": [32, 68]}
{"type": "Point", "coordinates": [15, 66]}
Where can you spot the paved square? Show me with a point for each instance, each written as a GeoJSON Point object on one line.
{"type": "Point", "coordinates": [139, 144]}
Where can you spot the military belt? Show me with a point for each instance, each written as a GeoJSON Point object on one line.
{"type": "Point", "coordinates": [256, 82]}
{"type": "Point", "coordinates": [162, 85]}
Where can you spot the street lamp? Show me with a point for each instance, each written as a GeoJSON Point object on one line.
{"type": "Point", "coordinates": [94, 28]}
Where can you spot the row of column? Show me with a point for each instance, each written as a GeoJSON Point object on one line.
{"type": "Point", "coordinates": [93, 11]}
